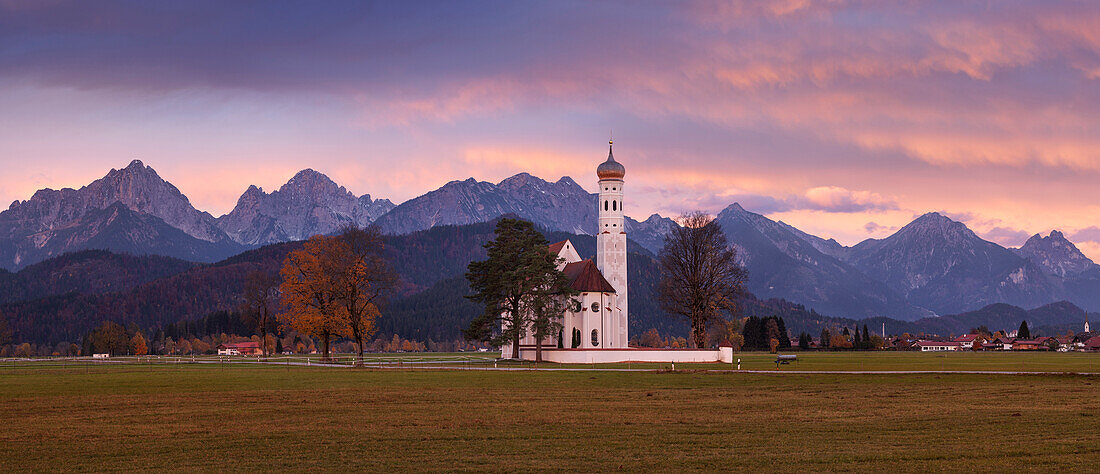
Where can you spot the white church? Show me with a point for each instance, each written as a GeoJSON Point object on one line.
{"type": "Point", "coordinates": [595, 328]}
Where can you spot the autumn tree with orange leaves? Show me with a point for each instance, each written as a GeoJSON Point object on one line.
{"type": "Point", "coordinates": [309, 291]}
{"type": "Point", "coordinates": [364, 279]}
{"type": "Point", "coordinates": [335, 286]}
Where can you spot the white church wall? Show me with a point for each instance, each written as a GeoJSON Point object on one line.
{"type": "Point", "coordinates": [608, 356]}
{"type": "Point", "coordinates": [568, 254]}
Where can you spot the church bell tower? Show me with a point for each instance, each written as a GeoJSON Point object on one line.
{"type": "Point", "coordinates": [611, 247]}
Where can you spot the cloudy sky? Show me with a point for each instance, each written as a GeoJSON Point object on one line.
{"type": "Point", "coordinates": [844, 118]}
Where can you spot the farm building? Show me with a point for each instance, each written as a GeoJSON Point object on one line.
{"type": "Point", "coordinates": [937, 346]}
{"type": "Point", "coordinates": [240, 348]}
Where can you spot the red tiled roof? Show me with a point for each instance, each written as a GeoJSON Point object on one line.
{"type": "Point", "coordinates": [1093, 342]}
{"type": "Point", "coordinates": [966, 338]}
{"type": "Point", "coordinates": [584, 276]}
{"type": "Point", "coordinates": [555, 248]}
{"type": "Point", "coordinates": [937, 343]}
{"type": "Point", "coordinates": [242, 345]}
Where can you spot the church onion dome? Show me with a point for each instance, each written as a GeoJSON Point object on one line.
{"type": "Point", "coordinates": [610, 169]}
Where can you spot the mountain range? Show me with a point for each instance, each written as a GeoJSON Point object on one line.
{"type": "Point", "coordinates": [932, 266]}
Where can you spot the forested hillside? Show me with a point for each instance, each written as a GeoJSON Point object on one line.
{"type": "Point", "coordinates": [63, 298]}
{"type": "Point", "coordinates": [430, 305]}
{"type": "Point", "coordinates": [89, 271]}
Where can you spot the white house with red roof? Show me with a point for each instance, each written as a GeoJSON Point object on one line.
{"type": "Point", "coordinates": [937, 346]}
{"type": "Point", "coordinates": [966, 341]}
{"type": "Point", "coordinates": [240, 348]}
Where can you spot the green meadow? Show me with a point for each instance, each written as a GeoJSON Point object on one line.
{"type": "Point", "coordinates": [217, 417]}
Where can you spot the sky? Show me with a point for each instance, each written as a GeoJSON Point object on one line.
{"type": "Point", "coordinates": [847, 119]}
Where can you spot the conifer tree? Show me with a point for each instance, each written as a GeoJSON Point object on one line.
{"type": "Point", "coordinates": [803, 341]}
{"type": "Point", "coordinates": [1024, 332]}
{"type": "Point", "coordinates": [517, 285]}
{"type": "Point", "coordinates": [784, 339]}
{"type": "Point", "coordinates": [752, 332]}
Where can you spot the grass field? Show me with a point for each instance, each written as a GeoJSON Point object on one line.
{"type": "Point", "coordinates": [221, 417]}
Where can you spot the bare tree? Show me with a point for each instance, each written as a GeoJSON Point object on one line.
{"type": "Point", "coordinates": [261, 294]}
{"type": "Point", "coordinates": [700, 276]}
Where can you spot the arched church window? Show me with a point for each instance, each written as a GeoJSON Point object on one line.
{"type": "Point", "coordinates": [614, 205]}
{"type": "Point", "coordinates": [595, 307]}
{"type": "Point", "coordinates": [595, 338]}
{"type": "Point", "coordinates": [605, 205]}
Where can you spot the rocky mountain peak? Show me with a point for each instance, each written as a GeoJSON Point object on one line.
{"type": "Point", "coordinates": [136, 186]}
{"type": "Point", "coordinates": [309, 203]}
{"type": "Point", "coordinates": [306, 176]}
{"type": "Point", "coordinates": [934, 227]}
{"type": "Point", "coordinates": [1055, 254]}
{"type": "Point", "coordinates": [313, 183]}
{"type": "Point", "coordinates": [567, 181]}
{"type": "Point", "coordinates": [519, 180]}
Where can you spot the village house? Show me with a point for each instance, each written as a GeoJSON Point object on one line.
{"type": "Point", "coordinates": [938, 346]}
{"type": "Point", "coordinates": [966, 341]}
{"type": "Point", "coordinates": [240, 348]}
{"type": "Point", "coordinates": [1003, 343]}
{"type": "Point", "coordinates": [1028, 345]}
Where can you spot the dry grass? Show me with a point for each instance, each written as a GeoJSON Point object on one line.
{"type": "Point", "coordinates": [264, 418]}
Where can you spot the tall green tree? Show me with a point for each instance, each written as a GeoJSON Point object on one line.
{"type": "Point", "coordinates": [784, 339]}
{"type": "Point", "coordinates": [5, 332]}
{"type": "Point", "coordinates": [546, 305]}
{"type": "Point", "coordinates": [1024, 332]}
{"type": "Point", "coordinates": [751, 333]}
{"type": "Point", "coordinates": [700, 276]}
{"type": "Point", "coordinates": [517, 285]}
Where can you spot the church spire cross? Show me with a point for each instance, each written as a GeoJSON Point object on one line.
{"type": "Point", "coordinates": [611, 169]}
